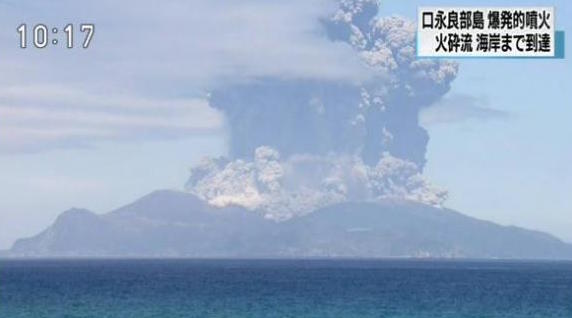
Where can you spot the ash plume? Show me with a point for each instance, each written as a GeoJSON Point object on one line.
{"type": "Point", "coordinates": [299, 144]}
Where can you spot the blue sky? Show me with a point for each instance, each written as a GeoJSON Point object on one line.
{"type": "Point", "coordinates": [514, 169]}
{"type": "Point", "coordinates": [510, 165]}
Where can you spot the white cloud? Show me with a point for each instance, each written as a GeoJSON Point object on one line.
{"type": "Point", "coordinates": [146, 59]}
{"type": "Point", "coordinates": [36, 118]}
{"type": "Point", "coordinates": [194, 44]}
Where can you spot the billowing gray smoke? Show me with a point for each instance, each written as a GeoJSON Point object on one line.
{"type": "Point", "coordinates": [298, 145]}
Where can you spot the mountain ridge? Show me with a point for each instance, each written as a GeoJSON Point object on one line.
{"type": "Point", "coordinates": [169, 223]}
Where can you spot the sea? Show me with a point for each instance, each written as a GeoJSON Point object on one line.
{"type": "Point", "coordinates": [284, 288]}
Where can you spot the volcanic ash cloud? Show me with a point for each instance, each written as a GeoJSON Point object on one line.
{"type": "Point", "coordinates": [297, 145]}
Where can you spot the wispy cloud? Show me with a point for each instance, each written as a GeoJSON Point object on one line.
{"type": "Point", "coordinates": [461, 107]}
{"type": "Point", "coordinates": [151, 66]}
{"type": "Point", "coordinates": [37, 118]}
